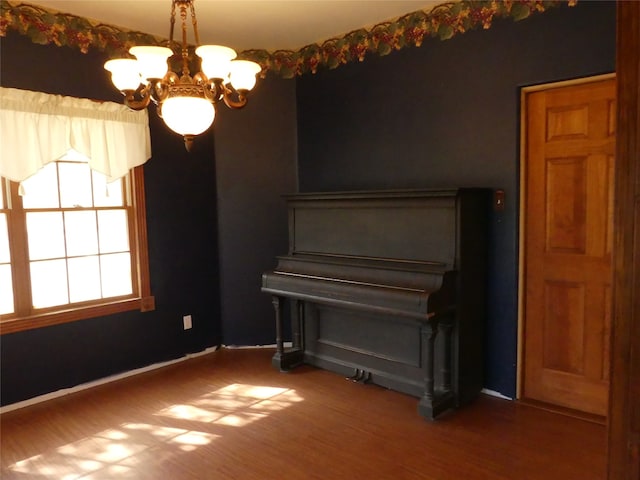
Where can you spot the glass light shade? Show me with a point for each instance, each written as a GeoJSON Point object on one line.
{"type": "Point", "coordinates": [124, 73]}
{"type": "Point", "coordinates": [243, 74]}
{"type": "Point", "coordinates": [188, 115]}
{"type": "Point", "coordinates": [152, 61]}
{"type": "Point", "coordinates": [216, 60]}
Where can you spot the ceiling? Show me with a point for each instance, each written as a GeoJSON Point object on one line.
{"type": "Point", "coordinates": [247, 24]}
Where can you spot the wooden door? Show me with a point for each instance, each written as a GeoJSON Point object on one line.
{"type": "Point", "coordinates": [569, 168]}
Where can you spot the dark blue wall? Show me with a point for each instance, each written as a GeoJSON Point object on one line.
{"type": "Point", "coordinates": [255, 165]}
{"type": "Point", "coordinates": [181, 216]}
{"type": "Point", "coordinates": [447, 115]}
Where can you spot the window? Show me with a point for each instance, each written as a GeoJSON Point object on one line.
{"type": "Point", "coordinates": [73, 242]}
{"type": "Point", "coordinates": [72, 246]}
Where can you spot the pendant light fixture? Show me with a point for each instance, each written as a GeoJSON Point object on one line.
{"type": "Point", "coordinates": [186, 103]}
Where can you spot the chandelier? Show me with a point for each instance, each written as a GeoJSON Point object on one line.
{"type": "Point", "coordinates": [184, 102]}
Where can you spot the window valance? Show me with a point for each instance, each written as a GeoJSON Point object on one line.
{"type": "Point", "coordinates": [37, 128]}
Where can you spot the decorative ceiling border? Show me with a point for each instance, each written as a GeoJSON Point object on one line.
{"type": "Point", "coordinates": [45, 27]}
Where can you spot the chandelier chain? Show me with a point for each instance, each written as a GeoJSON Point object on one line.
{"type": "Point", "coordinates": [194, 22]}
{"type": "Point", "coordinates": [185, 49]}
{"type": "Point", "coordinates": [172, 23]}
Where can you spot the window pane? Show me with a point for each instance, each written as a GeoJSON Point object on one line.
{"type": "Point", "coordinates": [116, 274]}
{"type": "Point", "coordinates": [113, 231]}
{"type": "Point", "coordinates": [106, 194]}
{"type": "Point", "coordinates": [84, 279]}
{"type": "Point", "coordinates": [6, 285]}
{"type": "Point", "coordinates": [81, 231]}
{"type": "Point", "coordinates": [75, 185]}
{"type": "Point", "coordinates": [6, 290]}
{"type": "Point", "coordinates": [49, 283]}
{"type": "Point", "coordinates": [4, 239]}
{"type": "Point", "coordinates": [45, 235]}
{"type": "Point", "coordinates": [41, 190]}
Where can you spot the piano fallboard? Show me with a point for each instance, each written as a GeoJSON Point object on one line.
{"type": "Point", "coordinates": [390, 299]}
{"type": "Point", "coordinates": [409, 289]}
{"type": "Point", "coordinates": [419, 275]}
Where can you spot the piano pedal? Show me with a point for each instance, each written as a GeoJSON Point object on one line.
{"type": "Point", "coordinates": [360, 376]}
{"type": "Point", "coordinates": [356, 376]}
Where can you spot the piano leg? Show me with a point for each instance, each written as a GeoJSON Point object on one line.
{"type": "Point", "coordinates": [277, 305]}
{"type": "Point", "coordinates": [425, 406]}
{"type": "Point", "coordinates": [297, 325]}
{"type": "Point", "coordinates": [436, 398]}
{"type": "Point", "coordinates": [446, 328]}
{"type": "Point", "coordinates": [285, 360]}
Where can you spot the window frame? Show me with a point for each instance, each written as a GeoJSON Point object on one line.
{"type": "Point", "coordinates": [142, 299]}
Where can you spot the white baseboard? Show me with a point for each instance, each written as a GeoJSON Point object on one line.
{"type": "Point", "coordinates": [493, 393]}
{"type": "Point", "coordinates": [120, 376]}
{"type": "Point", "coordinates": [272, 345]}
{"type": "Point", "coordinates": [102, 381]}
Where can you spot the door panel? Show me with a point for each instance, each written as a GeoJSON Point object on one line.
{"type": "Point", "coordinates": [570, 135]}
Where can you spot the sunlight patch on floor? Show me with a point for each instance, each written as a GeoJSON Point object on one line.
{"type": "Point", "coordinates": [234, 405]}
{"type": "Point", "coordinates": [118, 453]}
{"type": "Point", "coordinates": [107, 450]}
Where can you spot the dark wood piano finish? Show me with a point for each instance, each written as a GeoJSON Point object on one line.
{"type": "Point", "coordinates": [387, 287]}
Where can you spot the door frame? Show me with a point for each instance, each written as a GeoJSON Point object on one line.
{"type": "Point", "coordinates": [524, 92]}
{"type": "Point", "coordinates": [623, 440]}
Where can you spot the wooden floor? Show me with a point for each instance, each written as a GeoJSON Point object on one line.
{"type": "Point", "coordinates": [230, 415]}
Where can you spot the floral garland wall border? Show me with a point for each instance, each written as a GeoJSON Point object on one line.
{"type": "Point", "coordinates": [45, 26]}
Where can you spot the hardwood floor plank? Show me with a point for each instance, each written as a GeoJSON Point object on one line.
{"type": "Point", "coordinates": [230, 415]}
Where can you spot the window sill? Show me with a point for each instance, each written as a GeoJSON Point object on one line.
{"type": "Point", "coordinates": [12, 325]}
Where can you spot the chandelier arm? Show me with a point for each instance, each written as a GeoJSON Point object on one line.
{"type": "Point", "coordinates": [230, 102]}
{"type": "Point", "coordinates": [140, 103]}
{"type": "Point", "coordinates": [159, 92]}
{"type": "Point", "coordinates": [213, 89]}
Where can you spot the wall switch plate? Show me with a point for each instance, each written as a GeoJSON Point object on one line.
{"type": "Point", "coordinates": [186, 322]}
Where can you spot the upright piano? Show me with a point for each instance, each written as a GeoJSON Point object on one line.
{"type": "Point", "coordinates": [386, 287]}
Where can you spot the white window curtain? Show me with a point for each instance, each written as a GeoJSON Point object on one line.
{"type": "Point", "coordinates": [37, 128]}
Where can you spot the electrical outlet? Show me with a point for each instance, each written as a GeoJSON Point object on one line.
{"type": "Point", "coordinates": [186, 322]}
